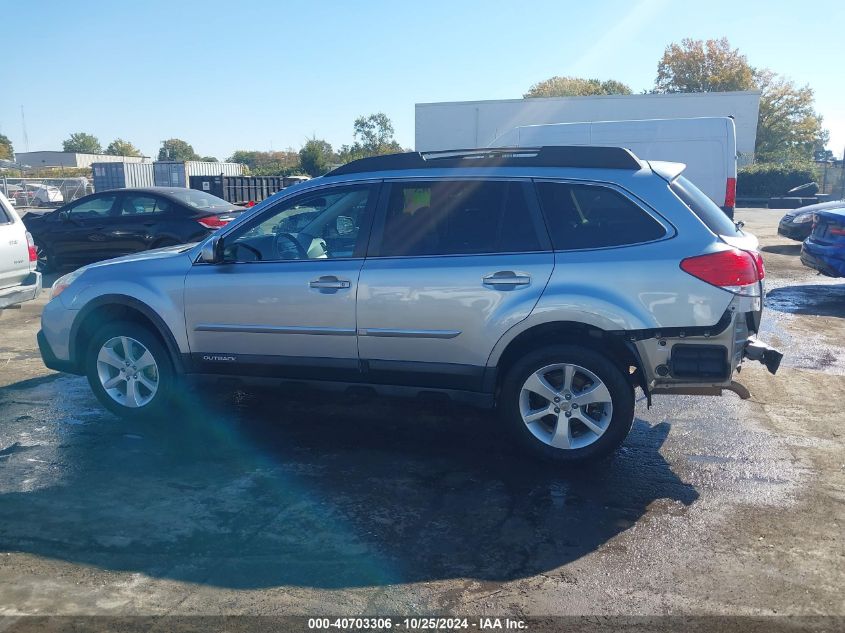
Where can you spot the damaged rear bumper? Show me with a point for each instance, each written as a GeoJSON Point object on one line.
{"type": "Point", "coordinates": [705, 362]}
{"type": "Point", "coordinates": [759, 351]}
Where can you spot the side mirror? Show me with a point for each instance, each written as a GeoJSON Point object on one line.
{"type": "Point", "coordinates": [344, 225]}
{"type": "Point", "coordinates": [212, 251]}
{"type": "Point", "coordinates": [64, 216]}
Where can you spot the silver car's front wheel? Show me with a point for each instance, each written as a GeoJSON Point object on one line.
{"type": "Point", "coordinates": [130, 370]}
{"type": "Point", "coordinates": [127, 371]}
{"type": "Point", "coordinates": [565, 406]}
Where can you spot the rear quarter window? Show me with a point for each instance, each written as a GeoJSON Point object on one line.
{"type": "Point", "coordinates": [588, 216]}
{"type": "Point", "coordinates": [703, 207]}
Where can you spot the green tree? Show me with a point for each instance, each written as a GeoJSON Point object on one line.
{"type": "Point", "coordinates": [7, 152]}
{"type": "Point", "coordinates": [576, 87]}
{"type": "Point", "coordinates": [316, 157]}
{"type": "Point", "coordinates": [177, 149]}
{"type": "Point", "coordinates": [789, 126]}
{"type": "Point", "coordinates": [209, 159]}
{"type": "Point", "coordinates": [373, 137]}
{"type": "Point", "coordinates": [268, 163]}
{"type": "Point", "coordinates": [119, 147]}
{"type": "Point", "coordinates": [703, 66]}
{"type": "Point", "coordinates": [83, 143]}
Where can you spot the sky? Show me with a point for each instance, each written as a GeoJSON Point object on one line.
{"type": "Point", "coordinates": [269, 74]}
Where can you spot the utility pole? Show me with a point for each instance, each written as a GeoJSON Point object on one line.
{"type": "Point", "coordinates": [25, 135]}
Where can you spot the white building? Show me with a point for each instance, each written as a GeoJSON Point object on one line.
{"type": "Point", "coordinates": [73, 159]}
{"type": "Point", "coordinates": [470, 124]}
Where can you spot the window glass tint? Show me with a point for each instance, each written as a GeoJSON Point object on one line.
{"type": "Point", "coordinates": [200, 200]}
{"type": "Point", "coordinates": [457, 217]}
{"type": "Point", "coordinates": [143, 205]}
{"type": "Point", "coordinates": [319, 225]}
{"type": "Point", "coordinates": [584, 216]}
{"type": "Point", "coordinates": [92, 208]}
{"type": "Point", "coordinates": [706, 210]}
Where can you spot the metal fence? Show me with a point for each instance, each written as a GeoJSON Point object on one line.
{"type": "Point", "coordinates": [830, 177]}
{"type": "Point", "coordinates": [44, 192]}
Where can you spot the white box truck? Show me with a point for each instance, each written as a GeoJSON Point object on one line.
{"type": "Point", "coordinates": [706, 145]}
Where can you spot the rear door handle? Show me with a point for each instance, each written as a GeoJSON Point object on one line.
{"type": "Point", "coordinates": [506, 278]}
{"type": "Point", "coordinates": [329, 281]}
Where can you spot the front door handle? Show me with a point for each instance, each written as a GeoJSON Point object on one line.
{"type": "Point", "coordinates": [329, 281]}
{"type": "Point", "coordinates": [506, 278]}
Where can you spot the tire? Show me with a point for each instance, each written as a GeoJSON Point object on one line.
{"type": "Point", "coordinates": [592, 430]}
{"type": "Point", "coordinates": [131, 395]}
{"type": "Point", "coordinates": [46, 260]}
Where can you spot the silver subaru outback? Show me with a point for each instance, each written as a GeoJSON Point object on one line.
{"type": "Point", "coordinates": [548, 282]}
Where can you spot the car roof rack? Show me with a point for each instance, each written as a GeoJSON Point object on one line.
{"type": "Point", "coordinates": [585, 156]}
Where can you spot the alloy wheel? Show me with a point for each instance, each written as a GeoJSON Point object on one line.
{"type": "Point", "coordinates": [565, 406]}
{"type": "Point", "coordinates": [127, 371]}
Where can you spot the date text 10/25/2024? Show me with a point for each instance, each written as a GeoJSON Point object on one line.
{"type": "Point", "coordinates": [417, 624]}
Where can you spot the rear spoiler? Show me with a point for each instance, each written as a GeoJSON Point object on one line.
{"type": "Point", "coordinates": [667, 171]}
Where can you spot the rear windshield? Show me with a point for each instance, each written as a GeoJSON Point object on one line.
{"type": "Point", "coordinates": [201, 200]}
{"type": "Point", "coordinates": [706, 210]}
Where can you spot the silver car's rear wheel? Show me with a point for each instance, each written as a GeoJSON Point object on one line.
{"type": "Point", "coordinates": [567, 403]}
{"type": "Point", "coordinates": [127, 371]}
{"type": "Point", "coordinates": [565, 406]}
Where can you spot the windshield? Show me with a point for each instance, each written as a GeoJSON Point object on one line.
{"type": "Point", "coordinates": [706, 210]}
{"type": "Point", "coordinates": [201, 200]}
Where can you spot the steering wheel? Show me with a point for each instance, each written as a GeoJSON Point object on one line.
{"type": "Point", "coordinates": [301, 254]}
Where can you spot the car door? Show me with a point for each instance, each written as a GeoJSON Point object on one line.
{"type": "Point", "coordinates": [282, 301]}
{"type": "Point", "coordinates": [79, 231]}
{"type": "Point", "coordinates": [453, 264]}
{"type": "Point", "coordinates": [136, 220]}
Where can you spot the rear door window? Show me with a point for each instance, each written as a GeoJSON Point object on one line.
{"type": "Point", "coordinates": [588, 216]}
{"type": "Point", "coordinates": [136, 204]}
{"type": "Point", "coordinates": [458, 217]}
{"type": "Point", "coordinates": [707, 211]}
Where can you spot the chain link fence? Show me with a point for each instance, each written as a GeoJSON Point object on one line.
{"type": "Point", "coordinates": [830, 177]}
{"type": "Point", "coordinates": [44, 192]}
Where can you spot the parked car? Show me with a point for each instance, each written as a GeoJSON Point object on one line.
{"type": "Point", "coordinates": [19, 281]}
{"type": "Point", "coordinates": [548, 283]}
{"type": "Point", "coordinates": [824, 249]}
{"type": "Point", "coordinates": [798, 224]}
{"type": "Point", "coordinates": [36, 194]}
{"type": "Point", "coordinates": [119, 222]}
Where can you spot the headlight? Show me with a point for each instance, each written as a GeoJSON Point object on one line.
{"type": "Point", "coordinates": [63, 282]}
{"type": "Point", "coordinates": [803, 218]}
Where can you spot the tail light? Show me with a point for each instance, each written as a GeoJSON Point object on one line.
{"type": "Point", "coordinates": [730, 193]}
{"type": "Point", "coordinates": [758, 263]}
{"type": "Point", "coordinates": [734, 270]}
{"type": "Point", "coordinates": [214, 221]}
{"type": "Point", "coordinates": [835, 230]}
{"type": "Point", "coordinates": [33, 252]}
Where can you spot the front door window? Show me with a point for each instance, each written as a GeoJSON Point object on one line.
{"type": "Point", "coordinates": [328, 224]}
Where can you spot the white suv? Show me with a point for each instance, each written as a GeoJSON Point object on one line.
{"type": "Point", "coordinates": [19, 280]}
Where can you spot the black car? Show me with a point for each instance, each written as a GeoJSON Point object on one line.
{"type": "Point", "coordinates": [797, 224]}
{"type": "Point", "coordinates": [123, 221]}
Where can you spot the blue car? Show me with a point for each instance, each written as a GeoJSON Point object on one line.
{"type": "Point", "coordinates": [824, 250]}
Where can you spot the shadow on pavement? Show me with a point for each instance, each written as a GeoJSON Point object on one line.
{"type": "Point", "coordinates": [813, 299]}
{"type": "Point", "coordinates": [315, 492]}
{"type": "Point", "coordinates": [783, 249]}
